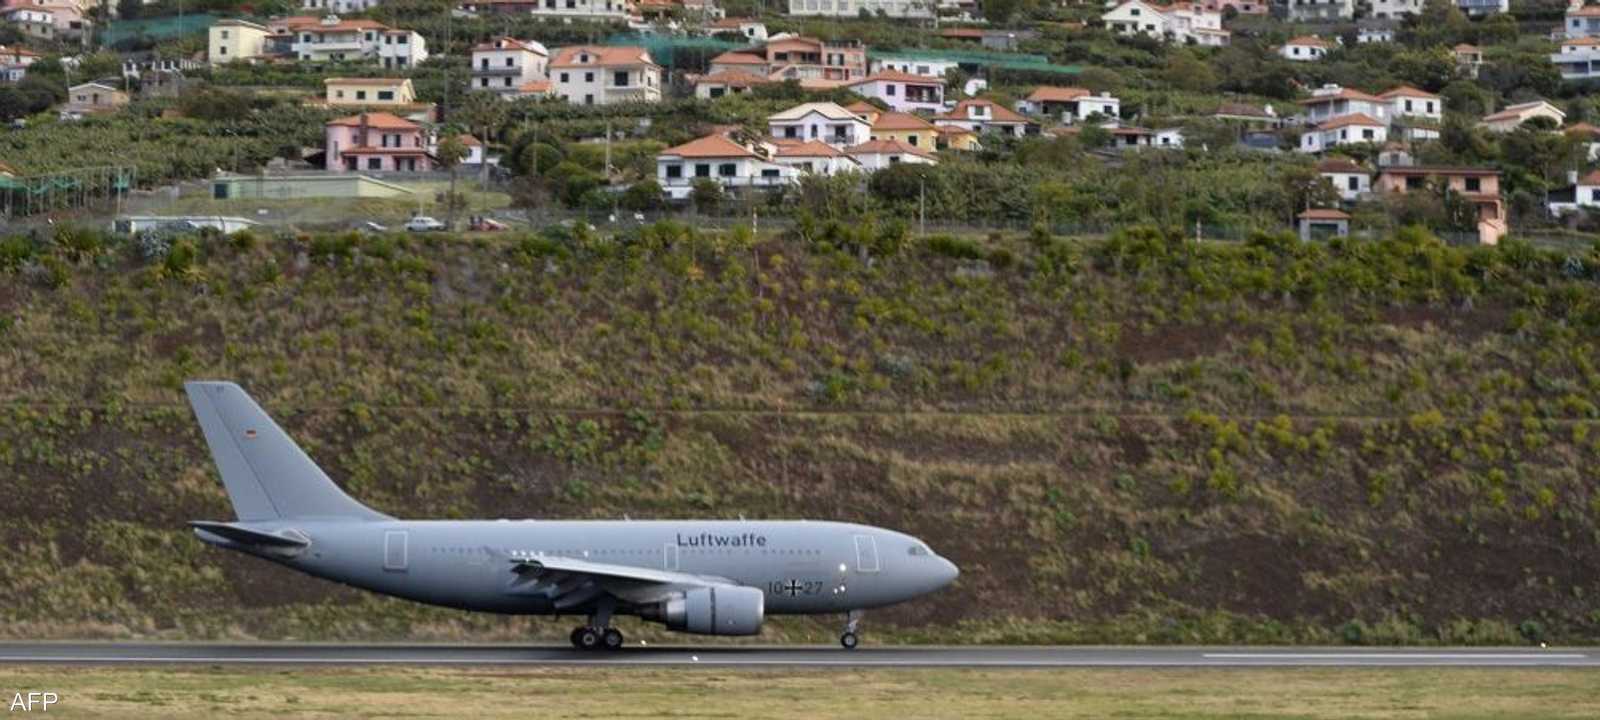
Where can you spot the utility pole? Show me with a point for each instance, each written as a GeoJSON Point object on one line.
{"type": "Point", "coordinates": [922, 206]}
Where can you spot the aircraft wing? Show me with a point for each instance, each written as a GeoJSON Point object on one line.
{"type": "Point", "coordinates": [570, 582]}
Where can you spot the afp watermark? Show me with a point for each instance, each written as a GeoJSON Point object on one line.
{"type": "Point", "coordinates": [33, 701]}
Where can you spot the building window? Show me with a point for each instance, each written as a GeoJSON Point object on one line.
{"type": "Point", "coordinates": [484, 82]}
{"type": "Point", "coordinates": [1353, 183]}
{"type": "Point", "coordinates": [385, 94]}
{"type": "Point", "coordinates": [620, 79]}
{"type": "Point", "coordinates": [769, 173]}
{"type": "Point", "coordinates": [728, 169]}
{"type": "Point", "coordinates": [702, 170]}
{"type": "Point", "coordinates": [224, 34]}
{"type": "Point", "coordinates": [588, 77]}
{"type": "Point", "coordinates": [674, 171]}
{"type": "Point", "coordinates": [563, 77]}
{"type": "Point", "coordinates": [361, 94]}
{"type": "Point", "coordinates": [374, 163]}
{"type": "Point", "coordinates": [510, 62]}
{"type": "Point", "coordinates": [1474, 185]}
{"type": "Point", "coordinates": [1413, 183]}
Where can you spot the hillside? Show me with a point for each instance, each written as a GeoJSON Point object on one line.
{"type": "Point", "coordinates": [1140, 439]}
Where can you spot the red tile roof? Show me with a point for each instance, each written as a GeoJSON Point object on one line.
{"type": "Point", "coordinates": [1343, 94]}
{"type": "Point", "coordinates": [1324, 214]}
{"type": "Point", "coordinates": [735, 57]}
{"type": "Point", "coordinates": [899, 77]}
{"type": "Point", "coordinates": [886, 147]}
{"type": "Point", "coordinates": [1348, 120]}
{"type": "Point", "coordinates": [900, 121]}
{"type": "Point", "coordinates": [807, 148]}
{"type": "Point", "coordinates": [1057, 94]}
{"type": "Point", "coordinates": [1407, 91]}
{"type": "Point", "coordinates": [733, 78]}
{"type": "Point", "coordinates": [601, 56]}
{"type": "Point", "coordinates": [380, 120]}
{"type": "Point", "coordinates": [997, 113]}
{"type": "Point", "coordinates": [710, 146]}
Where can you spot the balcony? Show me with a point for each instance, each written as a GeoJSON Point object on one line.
{"type": "Point", "coordinates": [497, 72]}
{"type": "Point", "coordinates": [1479, 5]}
{"type": "Point", "coordinates": [330, 46]}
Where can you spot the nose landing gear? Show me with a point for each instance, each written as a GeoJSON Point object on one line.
{"type": "Point", "coordinates": [848, 639]}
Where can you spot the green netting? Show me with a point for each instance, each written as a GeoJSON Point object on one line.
{"type": "Point", "coordinates": [162, 28]}
{"type": "Point", "coordinates": [982, 59]}
{"type": "Point", "coordinates": [664, 48]}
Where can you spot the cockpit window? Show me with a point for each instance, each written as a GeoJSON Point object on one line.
{"type": "Point", "coordinates": [919, 550]}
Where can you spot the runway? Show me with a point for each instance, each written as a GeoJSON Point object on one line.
{"type": "Point", "coordinates": [726, 656]}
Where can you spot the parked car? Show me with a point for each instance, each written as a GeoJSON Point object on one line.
{"type": "Point", "coordinates": [423, 223]}
{"type": "Point", "coordinates": [480, 223]}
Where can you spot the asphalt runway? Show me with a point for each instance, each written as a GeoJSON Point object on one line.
{"type": "Point", "coordinates": [94, 653]}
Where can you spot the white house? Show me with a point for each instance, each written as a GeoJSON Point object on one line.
{"type": "Point", "coordinates": [1344, 130]}
{"type": "Point", "coordinates": [1070, 104]}
{"type": "Point", "coordinates": [331, 39]}
{"type": "Point", "coordinates": [1305, 48]}
{"type": "Point", "coordinates": [1320, 10]}
{"type": "Point", "coordinates": [1513, 116]}
{"type": "Point", "coordinates": [339, 7]}
{"type": "Point", "coordinates": [612, 11]}
{"type": "Point", "coordinates": [1586, 135]}
{"type": "Point", "coordinates": [876, 155]}
{"type": "Point", "coordinates": [603, 75]}
{"type": "Point", "coordinates": [984, 116]}
{"type": "Point", "coordinates": [1582, 21]}
{"type": "Point", "coordinates": [1181, 23]}
{"type": "Point", "coordinates": [1331, 101]}
{"type": "Point", "coordinates": [747, 28]}
{"type": "Point", "coordinates": [1374, 34]}
{"type": "Point", "coordinates": [813, 156]}
{"type": "Point", "coordinates": [719, 158]}
{"type": "Point", "coordinates": [1393, 9]}
{"type": "Point", "coordinates": [1407, 101]}
{"type": "Point", "coordinates": [827, 122]}
{"type": "Point", "coordinates": [1171, 137]}
{"type": "Point", "coordinates": [1351, 180]}
{"type": "Point", "coordinates": [1579, 58]}
{"type": "Point", "coordinates": [854, 8]}
{"type": "Point", "coordinates": [921, 66]}
{"type": "Point", "coordinates": [903, 92]}
{"type": "Point", "coordinates": [505, 65]}
{"type": "Point", "coordinates": [14, 62]}
{"type": "Point", "coordinates": [1479, 8]}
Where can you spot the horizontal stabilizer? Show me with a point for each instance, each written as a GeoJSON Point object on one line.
{"type": "Point", "coordinates": [247, 536]}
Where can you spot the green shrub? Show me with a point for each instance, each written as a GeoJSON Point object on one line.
{"type": "Point", "coordinates": [951, 246]}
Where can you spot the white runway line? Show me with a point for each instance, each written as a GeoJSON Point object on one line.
{"type": "Point", "coordinates": [1394, 656]}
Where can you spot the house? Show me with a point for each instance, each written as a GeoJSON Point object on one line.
{"type": "Point", "coordinates": [339, 7]}
{"type": "Point", "coordinates": [475, 150]}
{"type": "Point", "coordinates": [1344, 130]}
{"type": "Point", "coordinates": [1394, 154]}
{"type": "Point", "coordinates": [905, 128]}
{"type": "Point", "coordinates": [1242, 7]}
{"type": "Point", "coordinates": [749, 29]}
{"type": "Point", "coordinates": [377, 142]}
{"type": "Point", "coordinates": [981, 116]}
{"type": "Point", "coordinates": [1513, 116]}
{"type": "Point", "coordinates": [876, 155]}
{"type": "Point", "coordinates": [1070, 104]}
{"type": "Point", "coordinates": [1305, 48]}
{"type": "Point", "coordinates": [330, 39]}
{"type": "Point", "coordinates": [920, 9]}
{"type": "Point", "coordinates": [1323, 223]}
{"type": "Point", "coordinates": [1331, 101]}
{"type": "Point", "coordinates": [1587, 135]}
{"type": "Point", "coordinates": [1469, 58]}
{"type": "Point", "coordinates": [90, 98]}
{"type": "Point", "coordinates": [531, 88]}
{"type": "Point", "coordinates": [14, 62]}
{"type": "Point", "coordinates": [1002, 40]}
{"type": "Point", "coordinates": [1579, 58]}
{"type": "Point", "coordinates": [1180, 23]}
{"type": "Point", "coordinates": [1250, 116]}
{"type": "Point", "coordinates": [605, 75]}
{"type": "Point", "coordinates": [504, 64]}
{"type": "Point", "coordinates": [1582, 194]}
{"type": "Point", "coordinates": [230, 40]}
{"type": "Point", "coordinates": [1312, 11]}
{"type": "Point", "coordinates": [1393, 9]}
{"type": "Point", "coordinates": [46, 20]}
{"type": "Point", "coordinates": [1581, 21]}
{"type": "Point", "coordinates": [824, 121]}
{"type": "Point", "coordinates": [1478, 186]}
{"type": "Point", "coordinates": [791, 57]}
{"type": "Point", "coordinates": [903, 92]}
{"type": "Point", "coordinates": [1374, 34]}
{"type": "Point", "coordinates": [813, 157]}
{"type": "Point", "coordinates": [608, 11]}
{"type": "Point", "coordinates": [723, 160]}
{"type": "Point", "coordinates": [1171, 137]}
{"type": "Point", "coordinates": [956, 137]}
{"type": "Point", "coordinates": [1407, 101]}
{"type": "Point", "coordinates": [928, 67]}
{"type": "Point", "coordinates": [360, 92]}
{"type": "Point", "coordinates": [1480, 8]}
{"type": "Point", "coordinates": [726, 82]}
{"type": "Point", "coordinates": [1351, 180]}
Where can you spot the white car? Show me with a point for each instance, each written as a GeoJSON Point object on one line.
{"type": "Point", "coordinates": [423, 223]}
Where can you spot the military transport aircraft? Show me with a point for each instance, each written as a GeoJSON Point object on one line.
{"type": "Point", "coordinates": [711, 577]}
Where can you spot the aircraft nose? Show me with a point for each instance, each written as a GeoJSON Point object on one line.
{"type": "Point", "coordinates": [946, 573]}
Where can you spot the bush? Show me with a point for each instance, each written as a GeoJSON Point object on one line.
{"type": "Point", "coordinates": [954, 247]}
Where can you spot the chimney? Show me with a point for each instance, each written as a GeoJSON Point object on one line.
{"type": "Point", "coordinates": [361, 133]}
{"type": "Point", "coordinates": [1572, 177]}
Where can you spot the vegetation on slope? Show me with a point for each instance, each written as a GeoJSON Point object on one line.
{"type": "Point", "coordinates": [1140, 439]}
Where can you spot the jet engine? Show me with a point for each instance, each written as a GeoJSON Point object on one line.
{"type": "Point", "coordinates": [712, 611]}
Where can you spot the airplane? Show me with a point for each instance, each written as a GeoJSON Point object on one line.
{"type": "Point", "coordinates": [708, 577]}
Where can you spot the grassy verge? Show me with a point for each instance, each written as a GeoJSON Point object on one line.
{"type": "Point", "coordinates": [604, 692]}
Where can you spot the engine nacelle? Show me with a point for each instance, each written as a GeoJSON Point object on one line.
{"type": "Point", "coordinates": [714, 611]}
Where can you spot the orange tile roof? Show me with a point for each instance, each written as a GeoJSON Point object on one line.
{"type": "Point", "coordinates": [468, 140]}
{"type": "Point", "coordinates": [1406, 91]}
{"type": "Point", "coordinates": [1310, 41]}
{"type": "Point", "coordinates": [900, 121]}
{"type": "Point", "coordinates": [364, 81]}
{"type": "Point", "coordinates": [1057, 94]}
{"type": "Point", "coordinates": [900, 77]}
{"type": "Point", "coordinates": [1581, 42]}
{"type": "Point", "coordinates": [808, 148]}
{"type": "Point", "coordinates": [1343, 94]}
{"type": "Point", "coordinates": [884, 147]}
{"type": "Point", "coordinates": [1348, 120]}
{"type": "Point", "coordinates": [733, 78]}
{"type": "Point", "coordinates": [1585, 11]}
{"type": "Point", "coordinates": [735, 57]}
{"type": "Point", "coordinates": [1582, 129]}
{"type": "Point", "coordinates": [380, 120]}
{"type": "Point", "coordinates": [862, 107]}
{"type": "Point", "coordinates": [710, 146]}
{"type": "Point", "coordinates": [1324, 214]}
{"type": "Point", "coordinates": [1592, 178]}
{"type": "Point", "coordinates": [343, 26]}
{"type": "Point", "coordinates": [534, 86]}
{"type": "Point", "coordinates": [601, 56]}
{"type": "Point", "coordinates": [1463, 47]}
{"type": "Point", "coordinates": [1339, 165]}
{"type": "Point", "coordinates": [997, 112]}
{"type": "Point", "coordinates": [507, 43]}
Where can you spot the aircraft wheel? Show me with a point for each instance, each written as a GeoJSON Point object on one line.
{"type": "Point", "coordinates": [586, 638]}
{"type": "Point", "coordinates": [612, 639]}
{"type": "Point", "coordinates": [849, 640]}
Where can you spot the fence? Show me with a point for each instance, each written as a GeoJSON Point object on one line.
{"type": "Point", "coordinates": [164, 28]}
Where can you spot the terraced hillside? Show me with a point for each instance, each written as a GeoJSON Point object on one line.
{"type": "Point", "coordinates": [1140, 439]}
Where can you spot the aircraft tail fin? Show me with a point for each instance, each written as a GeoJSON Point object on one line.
{"type": "Point", "coordinates": [268, 476]}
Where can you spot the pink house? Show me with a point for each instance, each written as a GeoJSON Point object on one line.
{"type": "Point", "coordinates": [377, 142]}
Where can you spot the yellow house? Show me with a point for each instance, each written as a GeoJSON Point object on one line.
{"type": "Point", "coordinates": [906, 128]}
{"type": "Point", "coordinates": [370, 91]}
{"type": "Point", "coordinates": [230, 40]}
{"type": "Point", "coordinates": [958, 138]}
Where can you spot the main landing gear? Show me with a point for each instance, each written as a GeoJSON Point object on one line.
{"type": "Point", "coordinates": [598, 634]}
{"type": "Point", "coordinates": [848, 639]}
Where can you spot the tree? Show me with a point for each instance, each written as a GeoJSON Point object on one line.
{"type": "Point", "coordinates": [129, 9]}
{"type": "Point", "coordinates": [483, 113]}
{"type": "Point", "coordinates": [1184, 71]}
{"type": "Point", "coordinates": [450, 154]}
{"type": "Point", "coordinates": [706, 195]}
{"type": "Point", "coordinates": [643, 195]}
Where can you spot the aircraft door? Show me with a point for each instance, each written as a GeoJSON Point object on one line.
{"type": "Point", "coordinates": [866, 554]}
{"type": "Point", "coordinates": [669, 556]}
{"type": "Point", "coordinates": [394, 550]}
